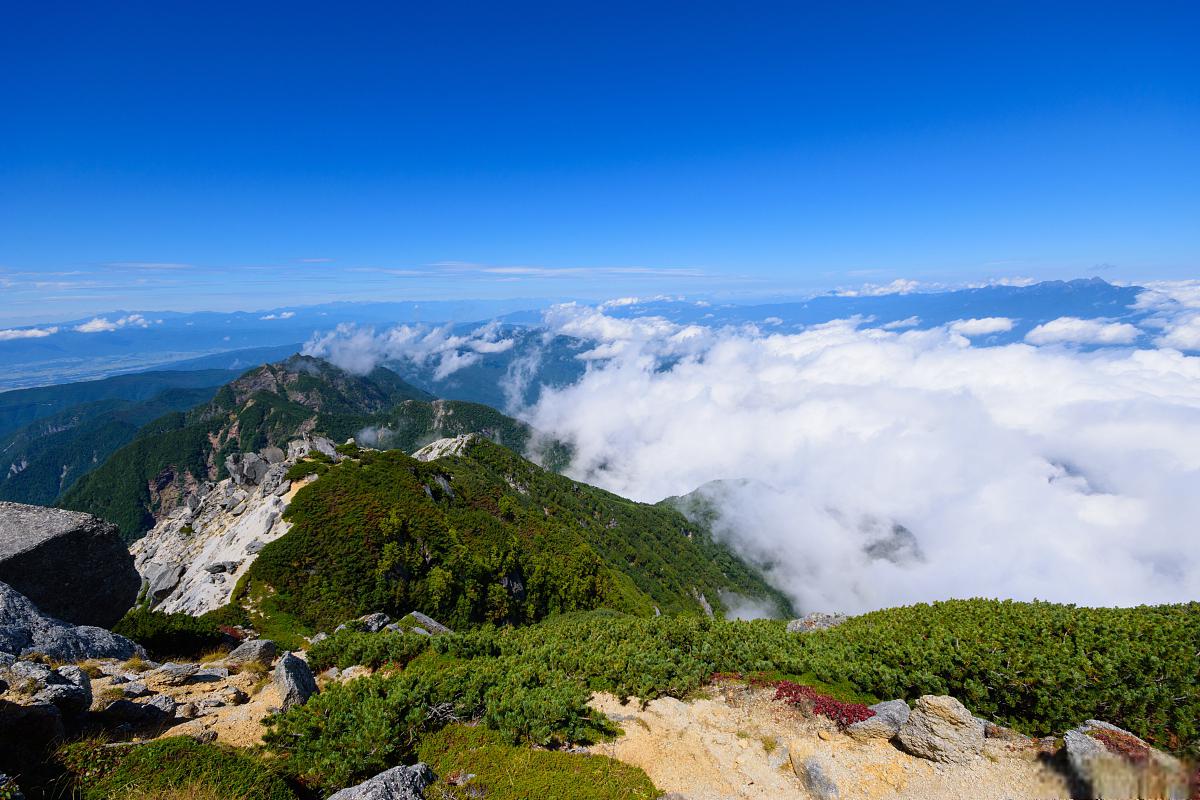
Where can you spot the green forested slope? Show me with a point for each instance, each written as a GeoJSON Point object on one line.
{"type": "Point", "coordinates": [485, 537]}
{"type": "Point", "coordinates": [43, 459]}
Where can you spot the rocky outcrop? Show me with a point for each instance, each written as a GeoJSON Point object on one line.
{"type": "Point", "coordinates": [72, 566]}
{"type": "Point", "coordinates": [398, 783]}
{"type": "Point", "coordinates": [294, 681]}
{"type": "Point", "coordinates": [816, 621]}
{"type": "Point", "coordinates": [452, 446]}
{"type": "Point", "coordinates": [66, 688]}
{"type": "Point", "coordinates": [192, 560]}
{"type": "Point", "coordinates": [24, 630]}
{"type": "Point", "coordinates": [941, 729]}
{"type": "Point", "coordinates": [1113, 763]}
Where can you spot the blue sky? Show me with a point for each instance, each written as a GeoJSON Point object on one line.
{"type": "Point", "coordinates": [224, 156]}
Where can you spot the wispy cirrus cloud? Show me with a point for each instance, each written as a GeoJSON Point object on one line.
{"type": "Point", "coordinates": [150, 266]}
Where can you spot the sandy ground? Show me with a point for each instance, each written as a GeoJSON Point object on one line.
{"type": "Point", "coordinates": [739, 743]}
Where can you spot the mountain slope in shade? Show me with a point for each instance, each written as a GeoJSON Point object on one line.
{"type": "Point", "coordinates": [43, 459]}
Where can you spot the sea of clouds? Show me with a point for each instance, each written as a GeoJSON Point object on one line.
{"type": "Point", "coordinates": [1033, 470]}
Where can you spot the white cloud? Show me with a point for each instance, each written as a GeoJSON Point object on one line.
{"type": "Point", "coordinates": [898, 286]}
{"type": "Point", "coordinates": [1181, 332]}
{"type": "Point", "coordinates": [910, 322]}
{"type": "Point", "coordinates": [1073, 330]}
{"type": "Point", "coordinates": [1175, 306]}
{"type": "Point", "coordinates": [1021, 472]}
{"type": "Point", "coordinates": [280, 315]}
{"type": "Point", "coordinates": [10, 334]}
{"type": "Point", "coordinates": [103, 325]}
{"type": "Point", "coordinates": [984, 326]}
{"type": "Point", "coordinates": [359, 350]}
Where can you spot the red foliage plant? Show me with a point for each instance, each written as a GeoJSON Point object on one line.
{"type": "Point", "coordinates": [1128, 747]}
{"type": "Point", "coordinates": [843, 713]}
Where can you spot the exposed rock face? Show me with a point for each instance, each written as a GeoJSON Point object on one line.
{"type": "Point", "coordinates": [452, 446]}
{"type": "Point", "coordinates": [398, 783]}
{"type": "Point", "coordinates": [1113, 763]}
{"type": "Point", "coordinates": [192, 560]}
{"type": "Point", "coordinates": [294, 681]}
{"type": "Point", "coordinates": [890, 715]}
{"type": "Point", "coordinates": [816, 621]}
{"type": "Point", "coordinates": [24, 629]}
{"type": "Point", "coordinates": [72, 566]}
{"type": "Point", "coordinates": [941, 729]}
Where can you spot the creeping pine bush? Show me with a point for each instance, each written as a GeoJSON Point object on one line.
{"type": "Point", "coordinates": [349, 648]}
{"type": "Point", "coordinates": [170, 635]}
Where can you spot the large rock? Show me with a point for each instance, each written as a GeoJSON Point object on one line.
{"type": "Point", "coordinates": [1113, 763]}
{"type": "Point", "coordinates": [24, 630]}
{"type": "Point", "coordinates": [398, 783]}
{"type": "Point", "coordinates": [890, 716]}
{"type": "Point", "coordinates": [941, 729]}
{"type": "Point", "coordinates": [294, 680]}
{"type": "Point", "coordinates": [261, 650]}
{"type": "Point", "coordinates": [72, 566]}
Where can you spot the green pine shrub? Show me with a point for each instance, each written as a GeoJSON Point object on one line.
{"type": "Point", "coordinates": [170, 635]}
{"type": "Point", "coordinates": [348, 648]}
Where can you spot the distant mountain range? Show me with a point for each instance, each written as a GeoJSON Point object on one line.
{"type": "Point", "coordinates": [124, 341]}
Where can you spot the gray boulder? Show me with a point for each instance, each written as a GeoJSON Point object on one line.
{"type": "Point", "coordinates": [398, 783]}
{"type": "Point", "coordinates": [1113, 763]}
{"type": "Point", "coordinates": [294, 680]}
{"type": "Point", "coordinates": [890, 715]}
{"type": "Point", "coordinates": [373, 623]}
{"type": "Point", "coordinates": [941, 729]}
{"type": "Point", "coordinates": [260, 650]}
{"type": "Point", "coordinates": [72, 566]}
{"type": "Point", "coordinates": [815, 774]}
{"type": "Point", "coordinates": [816, 621]}
{"type": "Point", "coordinates": [24, 630]}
